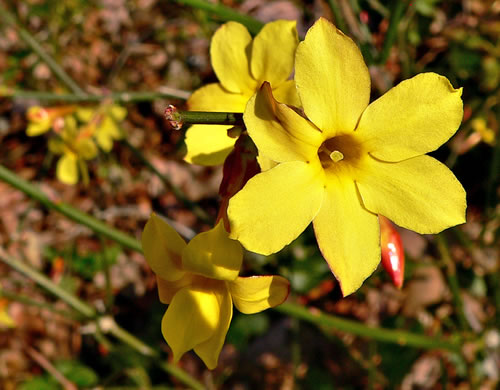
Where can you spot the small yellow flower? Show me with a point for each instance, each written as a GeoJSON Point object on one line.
{"type": "Point", "coordinates": [241, 65]}
{"type": "Point", "coordinates": [74, 150]}
{"type": "Point", "coordinates": [199, 281]}
{"type": "Point", "coordinates": [102, 123]}
{"type": "Point", "coordinates": [349, 161]}
{"type": "Point", "coordinates": [42, 119]}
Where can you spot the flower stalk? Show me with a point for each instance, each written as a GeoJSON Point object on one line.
{"type": "Point", "coordinates": [106, 324]}
{"type": "Point", "coordinates": [177, 119]}
{"type": "Point", "coordinates": [225, 13]}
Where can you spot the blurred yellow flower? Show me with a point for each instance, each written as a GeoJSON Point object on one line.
{"type": "Point", "coordinates": [74, 147]}
{"type": "Point", "coordinates": [349, 161]}
{"type": "Point", "coordinates": [200, 282]}
{"type": "Point", "coordinates": [41, 119]}
{"type": "Point", "coordinates": [103, 123]}
{"type": "Point", "coordinates": [241, 65]}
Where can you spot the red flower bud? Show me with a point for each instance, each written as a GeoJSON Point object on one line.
{"type": "Point", "coordinates": [393, 257]}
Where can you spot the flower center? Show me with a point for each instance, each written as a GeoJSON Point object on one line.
{"type": "Point", "coordinates": [336, 152]}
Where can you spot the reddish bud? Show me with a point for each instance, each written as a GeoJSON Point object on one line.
{"type": "Point", "coordinates": [393, 257]}
{"type": "Point", "coordinates": [239, 167]}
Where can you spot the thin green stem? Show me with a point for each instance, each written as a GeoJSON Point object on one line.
{"type": "Point", "coordinates": [106, 265]}
{"type": "Point", "coordinates": [399, 7]}
{"type": "Point", "coordinates": [380, 334]}
{"type": "Point", "coordinates": [47, 284]}
{"type": "Point", "coordinates": [118, 97]}
{"type": "Point", "coordinates": [225, 13]}
{"type": "Point", "coordinates": [105, 324]}
{"type": "Point", "coordinates": [197, 210]}
{"type": "Point", "coordinates": [337, 14]}
{"type": "Point", "coordinates": [451, 274]}
{"type": "Point", "coordinates": [26, 36]}
{"type": "Point", "coordinates": [31, 302]}
{"type": "Point", "coordinates": [177, 119]}
{"type": "Point", "coordinates": [69, 211]}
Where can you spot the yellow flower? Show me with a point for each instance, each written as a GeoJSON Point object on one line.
{"type": "Point", "coordinates": [75, 147]}
{"type": "Point", "coordinates": [349, 161]}
{"type": "Point", "coordinates": [103, 123]}
{"type": "Point", "coordinates": [241, 65]}
{"type": "Point", "coordinates": [200, 283]}
{"type": "Point", "coordinates": [42, 119]}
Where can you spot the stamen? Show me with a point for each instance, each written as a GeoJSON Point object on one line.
{"type": "Point", "coordinates": [336, 156]}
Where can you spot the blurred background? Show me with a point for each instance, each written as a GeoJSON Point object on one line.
{"type": "Point", "coordinates": [117, 48]}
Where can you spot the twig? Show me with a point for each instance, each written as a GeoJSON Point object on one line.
{"type": "Point", "coordinates": [31, 302]}
{"type": "Point", "coordinates": [69, 211]}
{"type": "Point", "coordinates": [380, 334]}
{"type": "Point", "coordinates": [49, 367]}
{"type": "Point", "coordinates": [118, 97]}
{"type": "Point", "coordinates": [25, 35]}
{"type": "Point", "coordinates": [451, 274]}
{"type": "Point", "coordinates": [177, 119]}
{"type": "Point", "coordinates": [105, 324]}
{"type": "Point", "coordinates": [399, 6]}
{"type": "Point", "coordinates": [197, 210]}
{"type": "Point", "coordinates": [225, 13]}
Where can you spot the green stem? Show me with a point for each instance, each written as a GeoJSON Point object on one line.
{"type": "Point", "coordinates": [105, 324]}
{"type": "Point", "coordinates": [225, 13]}
{"type": "Point", "coordinates": [177, 119]}
{"type": "Point", "coordinates": [31, 302]}
{"type": "Point", "coordinates": [337, 14]}
{"type": "Point", "coordinates": [399, 7]}
{"type": "Point", "coordinates": [25, 35]}
{"type": "Point", "coordinates": [69, 211]}
{"type": "Point", "coordinates": [451, 273]}
{"type": "Point", "coordinates": [380, 334]}
{"type": "Point", "coordinates": [197, 210]}
{"type": "Point", "coordinates": [47, 284]}
{"type": "Point", "coordinates": [119, 97]}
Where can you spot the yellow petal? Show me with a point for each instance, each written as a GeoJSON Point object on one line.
{"type": "Point", "coordinates": [332, 79]}
{"type": "Point", "coordinates": [420, 194]}
{"type": "Point", "coordinates": [276, 206]}
{"type": "Point", "coordinates": [163, 248]}
{"type": "Point", "coordinates": [191, 318]}
{"type": "Point", "coordinates": [167, 290]}
{"type": "Point", "coordinates": [348, 235]}
{"type": "Point", "coordinates": [85, 114]}
{"type": "Point", "coordinates": [287, 93]}
{"type": "Point", "coordinates": [209, 350]}
{"type": "Point", "coordinates": [38, 128]}
{"type": "Point", "coordinates": [104, 140]}
{"type": "Point", "coordinates": [265, 163]}
{"type": "Point", "coordinates": [413, 118]}
{"type": "Point", "coordinates": [87, 149]}
{"type": "Point", "coordinates": [213, 97]}
{"type": "Point", "coordinates": [208, 144]}
{"type": "Point", "coordinates": [118, 113]}
{"type": "Point", "coordinates": [56, 146]}
{"type": "Point", "coordinates": [278, 131]}
{"type": "Point", "coordinates": [67, 169]}
{"type": "Point", "coordinates": [257, 293]}
{"type": "Point", "coordinates": [229, 53]}
{"type": "Point", "coordinates": [213, 254]}
{"type": "Point", "coordinates": [273, 52]}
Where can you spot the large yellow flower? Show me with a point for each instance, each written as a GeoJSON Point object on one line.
{"type": "Point", "coordinates": [200, 282]}
{"type": "Point", "coordinates": [241, 65]}
{"type": "Point", "coordinates": [349, 161]}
